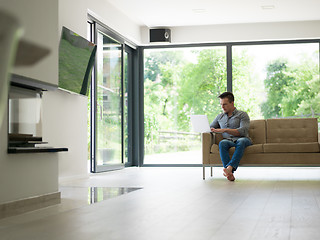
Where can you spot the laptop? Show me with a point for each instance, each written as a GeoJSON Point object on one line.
{"type": "Point", "coordinates": [200, 123]}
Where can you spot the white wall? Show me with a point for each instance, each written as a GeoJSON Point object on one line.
{"type": "Point", "coordinates": [28, 175]}
{"type": "Point", "coordinates": [65, 124]}
{"type": "Point", "coordinates": [73, 108]}
{"type": "Point", "coordinates": [241, 32]}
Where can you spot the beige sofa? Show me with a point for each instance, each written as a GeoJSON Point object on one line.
{"type": "Point", "coordinates": [276, 142]}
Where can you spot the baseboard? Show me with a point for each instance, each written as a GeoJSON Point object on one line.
{"type": "Point", "coordinates": [29, 204]}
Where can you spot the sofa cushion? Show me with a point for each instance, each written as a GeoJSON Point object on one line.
{"type": "Point", "coordinates": [255, 148]}
{"type": "Point", "coordinates": [292, 130]}
{"type": "Point", "coordinates": [291, 147]}
{"type": "Point", "coordinates": [257, 131]}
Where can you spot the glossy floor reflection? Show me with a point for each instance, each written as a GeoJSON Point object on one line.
{"type": "Point", "coordinates": [98, 194]}
{"type": "Point", "coordinates": [78, 196]}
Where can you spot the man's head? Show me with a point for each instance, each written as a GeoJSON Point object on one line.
{"type": "Point", "coordinates": [227, 102]}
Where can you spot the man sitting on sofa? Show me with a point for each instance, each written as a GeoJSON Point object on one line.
{"type": "Point", "coordinates": [234, 126]}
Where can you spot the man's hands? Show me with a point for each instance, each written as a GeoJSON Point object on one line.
{"type": "Point", "coordinates": [233, 132]}
{"type": "Point", "coordinates": [218, 130]}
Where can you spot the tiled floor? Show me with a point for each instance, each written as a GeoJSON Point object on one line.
{"type": "Point", "coordinates": [175, 203]}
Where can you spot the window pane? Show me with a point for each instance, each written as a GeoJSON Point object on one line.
{"type": "Point", "coordinates": [109, 139]}
{"type": "Point", "coordinates": [275, 81]}
{"type": "Point", "coordinates": [178, 83]}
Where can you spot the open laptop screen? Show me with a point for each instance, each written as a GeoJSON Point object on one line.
{"type": "Point", "coordinates": [200, 123]}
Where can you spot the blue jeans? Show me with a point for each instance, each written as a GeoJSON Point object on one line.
{"type": "Point", "coordinates": [240, 146]}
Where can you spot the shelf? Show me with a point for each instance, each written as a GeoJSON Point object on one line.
{"type": "Point", "coordinates": [30, 83]}
{"type": "Point", "coordinates": [35, 149]}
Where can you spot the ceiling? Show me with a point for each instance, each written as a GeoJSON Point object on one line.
{"type": "Point", "coordinates": [170, 13]}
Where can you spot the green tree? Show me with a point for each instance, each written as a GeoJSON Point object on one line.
{"type": "Point", "coordinates": [277, 85]}
{"type": "Point", "coordinates": [161, 70]}
{"type": "Point", "coordinates": [305, 93]}
{"type": "Point", "coordinates": [155, 59]}
{"type": "Point", "coordinates": [311, 105]}
{"type": "Point", "coordinates": [247, 87]}
{"type": "Point", "coordinates": [293, 89]}
{"type": "Point", "coordinates": [200, 84]}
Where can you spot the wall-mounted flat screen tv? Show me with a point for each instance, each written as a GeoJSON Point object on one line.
{"type": "Point", "coordinates": [76, 59]}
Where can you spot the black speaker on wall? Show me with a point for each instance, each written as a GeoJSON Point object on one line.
{"type": "Point", "coordinates": [160, 35]}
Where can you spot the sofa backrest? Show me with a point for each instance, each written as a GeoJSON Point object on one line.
{"type": "Point", "coordinates": [257, 131]}
{"type": "Point", "coordinates": [293, 130]}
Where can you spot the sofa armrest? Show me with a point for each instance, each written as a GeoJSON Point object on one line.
{"type": "Point", "coordinates": [207, 140]}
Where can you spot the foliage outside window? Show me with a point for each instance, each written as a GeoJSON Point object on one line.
{"type": "Point", "coordinates": [179, 83]}
{"type": "Point", "coordinates": [283, 81]}
{"type": "Point", "coordinates": [269, 81]}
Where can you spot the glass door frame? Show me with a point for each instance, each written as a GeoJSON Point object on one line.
{"type": "Point", "coordinates": [130, 54]}
{"type": "Point", "coordinates": [95, 168]}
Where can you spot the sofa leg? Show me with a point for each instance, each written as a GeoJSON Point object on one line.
{"type": "Point", "coordinates": [203, 172]}
{"type": "Point", "coordinates": [211, 172]}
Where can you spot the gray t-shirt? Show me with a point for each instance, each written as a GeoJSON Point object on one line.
{"type": "Point", "coordinates": [238, 120]}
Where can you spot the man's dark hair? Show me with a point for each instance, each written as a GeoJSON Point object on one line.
{"type": "Point", "coordinates": [228, 95]}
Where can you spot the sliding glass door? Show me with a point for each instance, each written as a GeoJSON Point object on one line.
{"type": "Point", "coordinates": [110, 131]}
{"type": "Point", "coordinates": [108, 103]}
